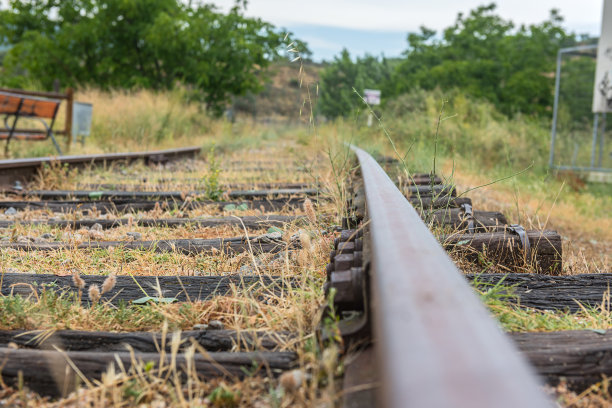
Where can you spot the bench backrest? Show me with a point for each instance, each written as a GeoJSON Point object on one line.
{"type": "Point", "coordinates": [28, 106]}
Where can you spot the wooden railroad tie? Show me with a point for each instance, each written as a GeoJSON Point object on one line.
{"type": "Point", "coordinates": [131, 288]}
{"type": "Point", "coordinates": [545, 292]}
{"type": "Point", "coordinates": [429, 202]}
{"type": "Point", "coordinates": [416, 191]}
{"type": "Point", "coordinates": [456, 218]}
{"type": "Point", "coordinates": [55, 195]}
{"type": "Point", "coordinates": [185, 246]}
{"type": "Point", "coordinates": [52, 372]}
{"type": "Point", "coordinates": [163, 184]}
{"type": "Point", "coordinates": [580, 358]}
{"type": "Point", "coordinates": [249, 222]}
{"type": "Point", "coordinates": [145, 342]}
{"type": "Point", "coordinates": [508, 249]}
{"type": "Point", "coordinates": [128, 205]}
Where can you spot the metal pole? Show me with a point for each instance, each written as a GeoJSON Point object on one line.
{"type": "Point", "coordinates": [595, 133]}
{"type": "Point", "coordinates": [575, 155]}
{"type": "Point", "coordinates": [553, 133]}
{"type": "Point", "coordinates": [601, 140]}
{"type": "Point", "coordinates": [68, 125]}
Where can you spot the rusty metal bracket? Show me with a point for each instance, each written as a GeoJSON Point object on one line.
{"type": "Point", "coordinates": [469, 216]}
{"type": "Point", "coordinates": [354, 325]}
{"type": "Point", "coordinates": [525, 244]}
{"type": "Point", "coordinates": [347, 275]}
{"type": "Point", "coordinates": [349, 285]}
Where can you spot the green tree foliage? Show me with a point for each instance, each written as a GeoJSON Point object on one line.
{"type": "Point", "coordinates": [337, 97]}
{"type": "Point", "coordinates": [576, 93]}
{"type": "Point", "coordinates": [487, 57]}
{"type": "Point", "coordinates": [138, 43]}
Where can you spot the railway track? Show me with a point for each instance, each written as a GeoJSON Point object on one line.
{"type": "Point", "coordinates": [25, 170]}
{"type": "Point", "coordinates": [193, 289]}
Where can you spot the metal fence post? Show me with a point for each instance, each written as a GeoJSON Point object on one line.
{"type": "Point", "coordinates": [68, 125]}
{"type": "Point", "coordinates": [595, 133]}
{"type": "Point", "coordinates": [601, 140]}
{"type": "Point", "coordinates": [553, 132]}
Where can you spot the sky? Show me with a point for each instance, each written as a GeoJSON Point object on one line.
{"type": "Point", "coordinates": [380, 26]}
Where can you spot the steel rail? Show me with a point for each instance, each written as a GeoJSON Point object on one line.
{"type": "Point", "coordinates": [435, 344]}
{"type": "Point", "coordinates": [98, 158]}
{"type": "Point", "coordinates": [22, 170]}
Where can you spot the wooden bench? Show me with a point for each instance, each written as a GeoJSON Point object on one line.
{"type": "Point", "coordinates": [40, 106]}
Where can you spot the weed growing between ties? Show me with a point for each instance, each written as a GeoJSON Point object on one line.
{"type": "Point", "coordinates": [55, 175]}
{"type": "Point", "coordinates": [212, 187]}
{"type": "Point", "coordinates": [505, 307]}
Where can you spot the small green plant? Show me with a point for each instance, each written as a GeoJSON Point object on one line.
{"type": "Point", "coordinates": [331, 319]}
{"type": "Point", "coordinates": [131, 390]}
{"type": "Point", "coordinates": [54, 175]}
{"type": "Point", "coordinates": [234, 207]}
{"type": "Point", "coordinates": [223, 397]}
{"type": "Point", "coordinates": [212, 187]}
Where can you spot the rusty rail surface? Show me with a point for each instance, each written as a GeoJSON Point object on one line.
{"type": "Point", "coordinates": [23, 170]}
{"type": "Point", "coordinates": [434, 343]}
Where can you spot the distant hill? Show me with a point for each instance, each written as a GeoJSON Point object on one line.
{"type": "Point", "coordinates": [283, 97]}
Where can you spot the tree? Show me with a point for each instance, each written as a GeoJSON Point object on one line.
{"type": "Point", "coordinates": [487, 57]}
{"type": "Point", "coordinates": [337, 97]}
{"type": "Point", "coordinates": [139, 43]}
{"type": "Point", "coordinates": [576, 93]}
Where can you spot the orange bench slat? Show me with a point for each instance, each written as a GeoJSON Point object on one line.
{"type": "Point", "coordinates": [23, 136]}
{"type": "Point", "coordinates": [38, 108]}
{"type": "Point", "coordinates": [34, 107]}
{"type": "Point", "coordinates": [9, 104]}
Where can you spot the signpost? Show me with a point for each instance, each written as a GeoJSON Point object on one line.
{"type": "Point", "coordinates": [371, 97]}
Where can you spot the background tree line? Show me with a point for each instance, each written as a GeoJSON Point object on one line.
{"type": "Point", "coordinates": [481, 55]}
{"type": "Point", "coordinates": [154, 44]}
{"type": "Point", "coordinates": [159, 44]}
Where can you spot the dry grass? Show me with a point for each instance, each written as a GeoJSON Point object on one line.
{"type": "Point", "coordinates": [121, 261]}
{"type": "Point", "coordinates": [596, 396]}
{"type": "Point", "coordinates": [587, 236]}
{"type": "Point", "coordinates": [254, 307]}
{"type": "Point", "coordinates": [120, 233]}
{"type": "Point", "coordinates": [164, 211]}
{"type": "Point", "coordinates": [294, 309]}
{"type": "Point", "coordinates": [162, 388]}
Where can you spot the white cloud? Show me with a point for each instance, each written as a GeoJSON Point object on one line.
{"type": "Point", "coordinates": [320, 43]}
{"type": "Point", "coordinates": [408, 15]}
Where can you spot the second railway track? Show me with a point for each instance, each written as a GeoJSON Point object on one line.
{"type": "Point", "coordinates": [199, 288]}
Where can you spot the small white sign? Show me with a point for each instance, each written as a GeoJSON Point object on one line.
{"type": "Point", "coordinates": [372, 96]}
{"type": "Point", "coordinates": [602, 95]}
{"type": "Point", "coordinates": [81, 119]}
